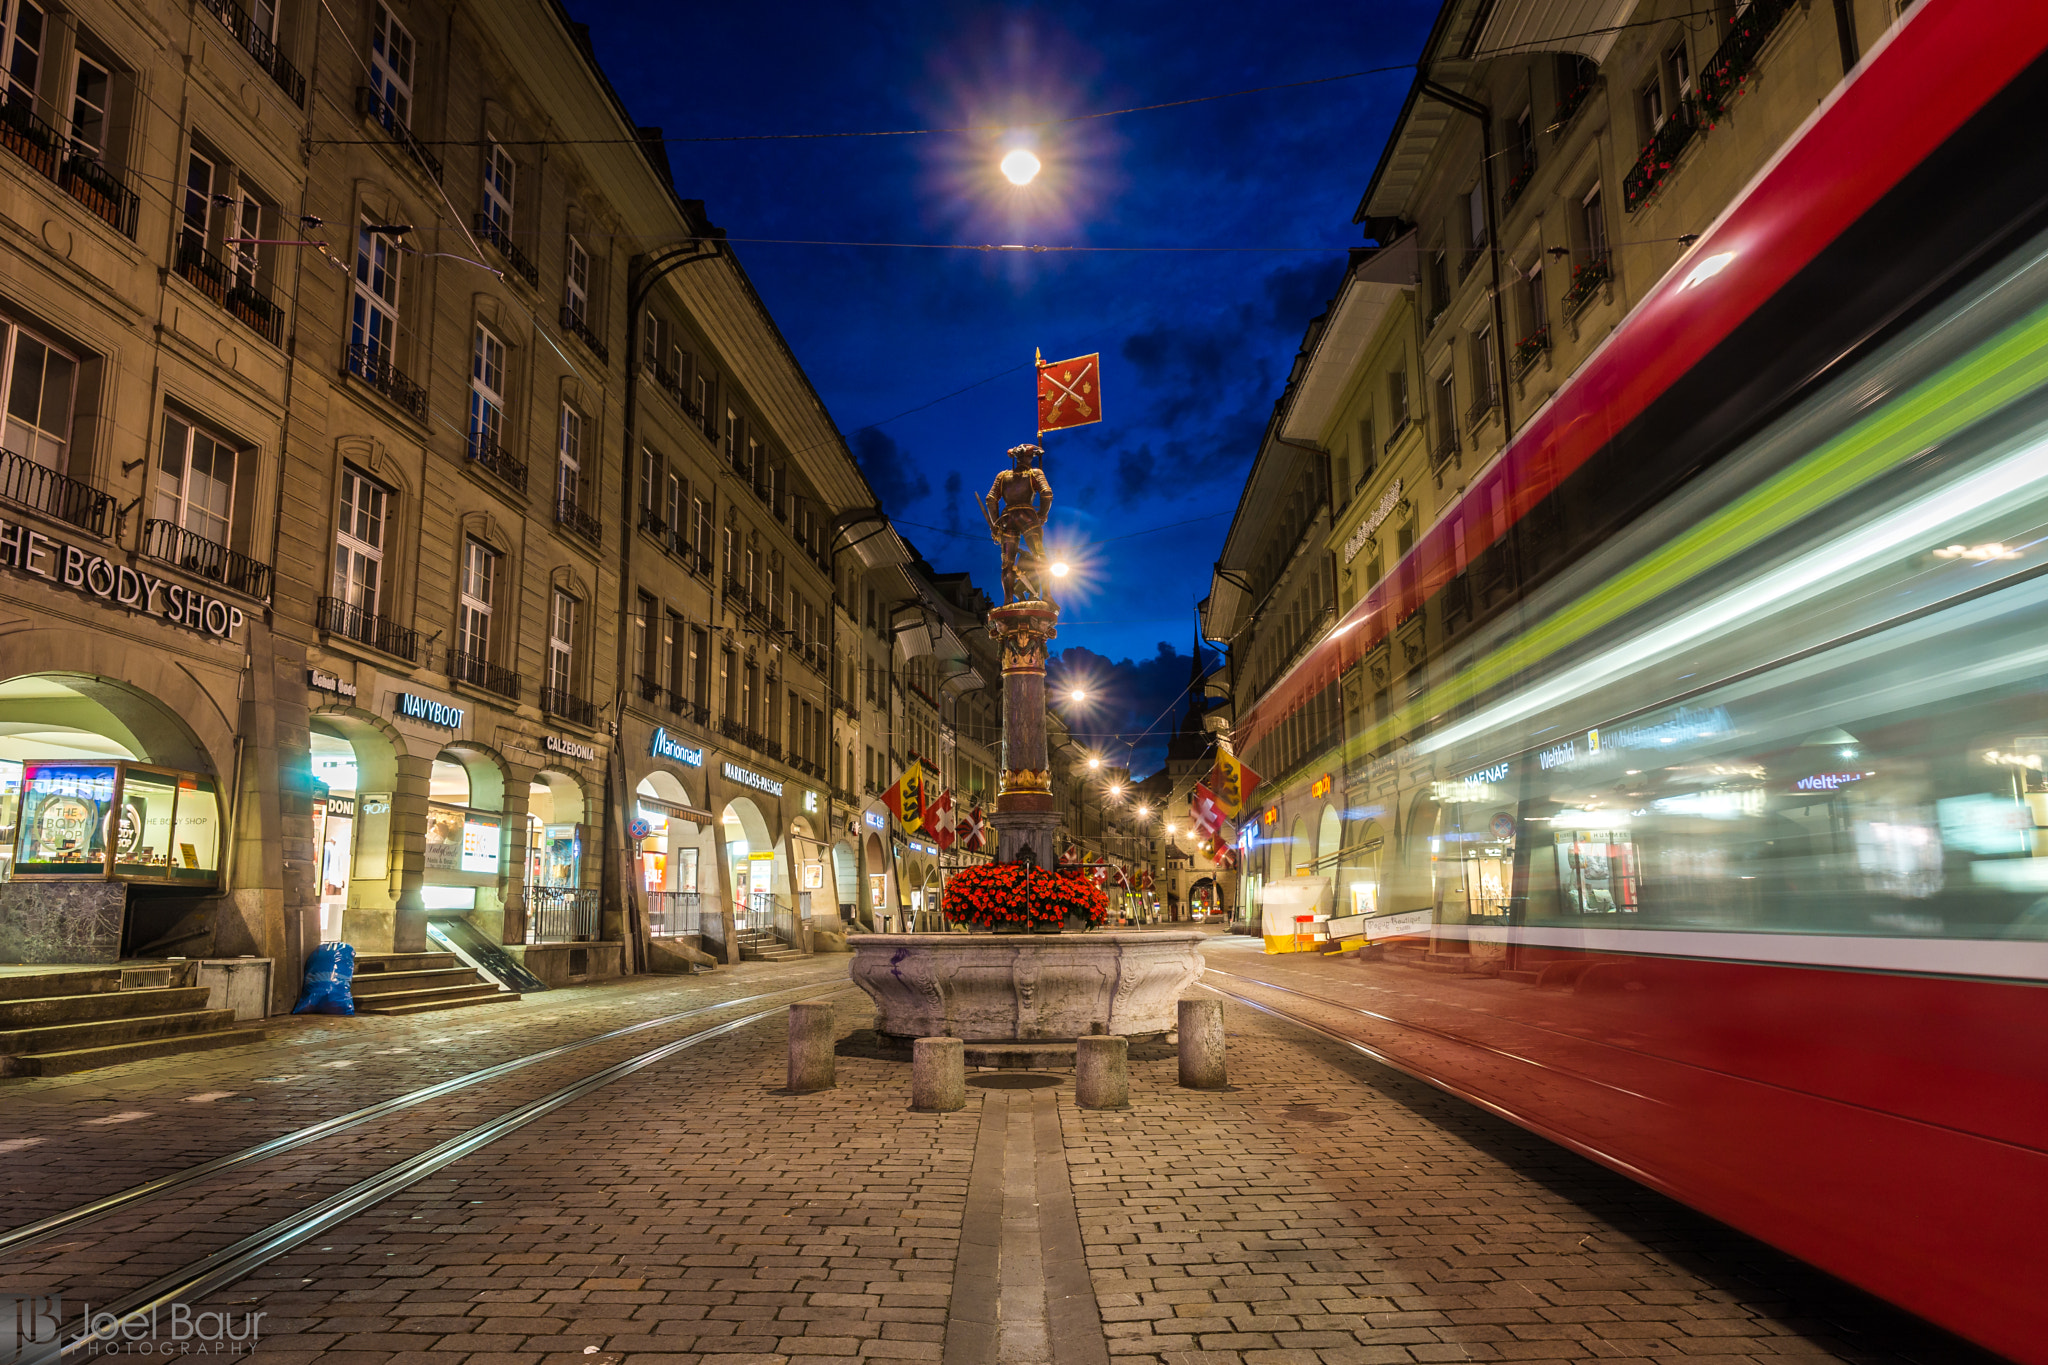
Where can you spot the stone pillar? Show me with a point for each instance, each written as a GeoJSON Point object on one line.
{"type": "Point", "coordinates": [409, 853]}
{"type": "Point", "coordinates": [511, 927]}
{"type": "Point", "coordinates": [1102, 1076]}
{"type": "Point", "coordinates": [938, 1075]}
{"type": "Point", "coordinates": [1025, 816]}
{"type": "Point", "coordinates": [812, 1036]}
{"type": "Point", "coordinates": [1201, 1045]}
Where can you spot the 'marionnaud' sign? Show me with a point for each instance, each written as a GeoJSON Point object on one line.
{"type": "Point", "coordinates": [749, 779]}
{"type": "Point", "coordinates": [667, 746]}
{"type": "Point", "coordinates": [31, 552]}
{"type": "Point", "coordinates": [1383, 509]}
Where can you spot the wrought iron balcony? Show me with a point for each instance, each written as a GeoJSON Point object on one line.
{"type": "Point", "coordinates": [253, 307]}
{"type": "Point", "coordinates": [372, 365]}
{"type": "Point", "coordinates": [1530, 349]}
{"type": "Point", "coordinates": [337, 617]}
{"type": "Point", "coordinates": [101, 190]}
{"type": "Point", "coordinates": [28, 137]}
{"type": "Point", "coordinates": [172, 544]}
{"type": "Point", "coordinates": [1586, 282]}
{"type": "Point", "coordinates": [371, 105]}
{"type": "Point", "coordinates": [570, 515]}
{"type": "Point", "coordinates": [494, 459]}
{"type": "Point", "coordinates": [577, 325]}
{"type": "Point", "coordinates": [1447, 447]}
{"type": "Point", "coordinates": [1660, 154]}
{"type": "Point", "coordinates": [478, 672]}
{"type": "Point", "coordinates": [771, 748]}
{"type": "Point", "coordinates": [647, 687]}
{"type": "Point", "coordinates": [501, 241]}
{"type": "Point", "coordinates": [1517, 182]}
{"type": "Point", "coordinates": [701, 714]}
{"type": "Point", "coordinates": [55, 495]}
{"type": "Point", "coordinates": [651, 521]}
{"type": "Point", "coordinates": [1727, 72]}
{"type": "Point", "coordinates": [736, 595]}
{"type": "Point", "coordinates": [1400, 430]}
{"type": "Point", "coordinates": [258, 44]}
{"type": "Point", "coordinates": [560, 701]}
{"type": "Point", "coordinates": [732, 729]}
{"type": "Point", "coordinates": [671, 384]}
{"type": "Point", "coordinates": [1483, 403]}
{"type": "Point", "coordinates": [1570, 102]}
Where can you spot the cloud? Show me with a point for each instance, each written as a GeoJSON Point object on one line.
{"type": "Point", "coordinates": [1297, 293]}
{"type": "Point", "coordinates": [1135, 702]}
{"type": "Point", "coordinates": [1133, 474]}
{"type": "Point", "coordinates": [897, 480]}
{"type": "Point", "coordinates": [954, 484]}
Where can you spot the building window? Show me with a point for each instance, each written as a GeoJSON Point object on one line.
{"type": "Point", "coordinates": [700, 517]}
{"type": "Point", "coordinates": [1593, 225]}
{"type": "Point", "coordinates": [40, 380]}
{"type": "Point", "coordinates": [1535, 307]}
{"type": "Point", "coordinates": [1678, 67]}
{"type": "Point", "coordinates": [90, 83]}
{"type": "Point", "coordinates": [672, 505]}
{"type": "Point", "coordinates": [486, 393]}
{"type": "Point", "coordinates": [650, 479]}
{"type": "Point", "coordinates": [732, 436]}
{"type": "Point", "coordinates": [576, 285]}
{"type": "Point", "coordinates": [21, 46]}
{"type": "Point", "coordinates": [1368, 454]}
{"type": "Point", "coordinates": [374, 325]}
{"type": "Point", "coordinates": [473, 609]}
{"type": "Point", "coordinates": [498, 180]}
{"type": "Point", "coordinates": [700, 665]}
{"type": "Point", "coordinates": [700, 394]}
{"type": "Point", "coordinates": [246, 252]}
{"type": "Point", "coordinates": [562, 644]}
{"type": "Point", "coordinates": [569, 457]}
{"type": "Point", "coordinates": [647, 639]}
{"type": "Point", "coordinates": [194, 234]}
{"type": "Point", "coordinates": [728, 685]}
{"type": "Point", "coordinates": [391, 60]}
{"type": "Point", "coordinates": [195, 488]}
{"type": "Point", "coordinates": [359, 541]}
{"type": "Point", "coordinates": [1650, 105]}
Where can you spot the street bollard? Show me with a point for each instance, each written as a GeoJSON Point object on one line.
{"type": "Point", "coordinates": [938, 1075]}
{"type": "Point", "coordinates": [1102, 1073]}
{"type": "Point", "coordinates": [1201, 1045]}
{"type": "Point", "coordinates": [811, 1039]}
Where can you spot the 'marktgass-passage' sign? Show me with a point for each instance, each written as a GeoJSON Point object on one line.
{"type": "Point", "coordinates": [31, 552]}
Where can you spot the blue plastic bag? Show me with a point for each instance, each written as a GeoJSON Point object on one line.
{"type": "Point", "coordinates": [328, 973]}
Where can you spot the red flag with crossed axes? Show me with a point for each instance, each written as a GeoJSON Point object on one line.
{"type": "Point", "coordinates": [1069, 392]}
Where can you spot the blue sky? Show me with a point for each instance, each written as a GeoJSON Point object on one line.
{"type": "Point", "coordinates": [1195, 344]}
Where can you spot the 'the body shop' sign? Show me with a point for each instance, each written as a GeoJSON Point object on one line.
{"type": "Point", "coordinates": [31, 552]}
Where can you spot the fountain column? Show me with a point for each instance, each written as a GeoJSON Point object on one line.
{"type": "Point", "coordinates": [1025, 816]}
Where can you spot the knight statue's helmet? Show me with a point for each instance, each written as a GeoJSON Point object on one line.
{"type": "Point", "coordinates": [1026, 455]}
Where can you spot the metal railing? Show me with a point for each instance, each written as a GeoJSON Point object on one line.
{"type": "Point", "coordinates": [649, 689]}
{"type": "Point", "coordinates": [1727, 72]}
{"type": "Point", "coordinates": [1446, 448]}
{"type": "Point", "coordinates": [494, 459]}
{"type": "Point", "coordinates": [1660, 154]}
{"type": "Point", "coordinates": [569, 513]}
{"type": "Point", "coordinates": [372, 365]}
{"type": "Point", "coordinates": [371, 105]}
{"type": "Point", "coordinates": [732, 730]}
{"type": "Point", "coordinates": [560, 701]}
{"type": "Point", "coordinates": [672, 914]}
{"type": "Point", "coordinates": [102, 190]}
{"type": "Point", "coordinates": [173, 544]}
{"type": "Point", "coordinates": [578, 325]}
{"type": "Point", "coordinates": [245, 300]}
{"type": "Point", "coordinates": [1517, 182]}
{"type": "Point", "coordinates": [1586, 282]}
{"type": "Point", "coordinates": [1530, 349]}
{"type": "Point", "coordinates": [28, 137]}
{"type": "Point", "coordinates": [258, 44]}
{"type": "Point", "coordinates": [481, 672]}
{"type": "Point", "coordinates": [337, 617]}
{"type": "Point", "coordinates": [671, 384]}
{"type": "Point", "coordinates": [561, 914]}
{"type": "Point", "coordinates": [42, 488]}
{"type": "Point", "coordinates": [501, 241]}
{"type": "Point", "coordinates": [651, 521]}
{"type": "Point", "coordinates": [1486, 401]}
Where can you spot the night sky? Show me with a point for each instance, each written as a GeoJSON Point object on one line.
{"type": "Point", "coordinates": [1195, 345]}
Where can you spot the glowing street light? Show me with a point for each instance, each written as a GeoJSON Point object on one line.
{"type": "Point", "coordinates": [1144, 811]}
{"type": "Point", "coordinates": [1116, 792]}
{"type": "Point", "coordinates": [1077, 695]}
{"type": "Point", "coordinates": [1094, 763]}
{"type": "Point", "coordinates": [1059, 568]}
{"type": "Point", "coordinates": [1019, 167]}
{"type": "Point", "coordinates": [1172, 830]}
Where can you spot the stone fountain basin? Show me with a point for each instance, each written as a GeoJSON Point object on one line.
{"type": "Point", "coordinates": [1002, 987]}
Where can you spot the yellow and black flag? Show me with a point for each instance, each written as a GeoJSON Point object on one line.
{"type": "Point", "coordinates": [907, 797]}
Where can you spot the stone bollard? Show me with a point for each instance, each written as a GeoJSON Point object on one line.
{"type": "Point", "coordinates": [811, 1038]}
{"type": "Point", "coordinates": [1201, 1045]}
{"type": "Point", "coordinates": [1102, 1073]}
{"type": "Point", "coordinates": [938, 1075]}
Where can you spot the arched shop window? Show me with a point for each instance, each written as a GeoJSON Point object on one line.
{"type": "Point", "coordinates": [465, 831]}
{"type": "Point", "coordinates": [554, 835]}
{"type": "Point", "coordinates": [118, 821]}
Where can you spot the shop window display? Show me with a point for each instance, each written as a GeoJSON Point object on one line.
{"type": "Point", "coordinates": [122, 821]}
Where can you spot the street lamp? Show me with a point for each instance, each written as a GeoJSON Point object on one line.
{"type": "Point", "coordinates": [1019, 167]}
{"type": "Point", "coordinates": [1094, 763]}
{"type": "Point", "coordinates": [1144, 812]}
{"type": "Point", "coordinates": [1077, 695]}
{"type": "Point", "coordinates": [1059, 568]}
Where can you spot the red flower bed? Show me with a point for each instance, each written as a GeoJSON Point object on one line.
{"type": "Point", "coordinates": [1012, 893]}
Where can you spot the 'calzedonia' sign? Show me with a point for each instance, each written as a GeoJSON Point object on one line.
{"type": "Point", "coordinates": [31, 552]}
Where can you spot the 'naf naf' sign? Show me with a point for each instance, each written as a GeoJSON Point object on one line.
{"type": "Point", "coordinates": [31, 552]}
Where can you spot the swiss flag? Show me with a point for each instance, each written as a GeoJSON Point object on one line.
{"type": "Point", "coordinates": [1070, 392]}
{"type": "Point", "coordinates": [938, 820]}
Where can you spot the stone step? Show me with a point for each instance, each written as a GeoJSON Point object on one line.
{"type": "Point", "coordinates": [90, 1058]}
{"type": "Point", "coordinates": [82, 981]}
{"type": "Point", "coordinates": [68, 1009]}
{"type": "Point", "coordinates": [383, 983]}
{"type": "Point", "coordinates": [106, 1032]}
{"type": "Point", "coordinates": [419, 1002]}
{"type": "Point", "coordinates": [403, 962]}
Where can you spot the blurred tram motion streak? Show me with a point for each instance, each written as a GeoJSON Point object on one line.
{"type": "Point", "coordinates": [1740, 832]}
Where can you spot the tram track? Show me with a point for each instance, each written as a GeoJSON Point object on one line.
{"type": "Point", "coordinates": [221, 1268]}
{"type": "Point", "coordinates": [28, 1235]}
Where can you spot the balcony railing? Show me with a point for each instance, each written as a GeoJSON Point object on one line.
{"type": "Point", "coordinates": [736, 595]}
{"type": "Point", "coordinates": [371, 105]}
{"type": "Point", "coordinates": [1517, 182]}
{"type": "Point", "coordinates": [251, 305]}
{"type": "Point", "coordinates": [1727, 72]}
{"type": "Point", "coordinates": [259, 45]}
{"type": "Point", "coordinates": [55, 495]}
{"type": "Point", "coordinates": [672, 914]}
{"type": "Point", "coordinates": [372, 365]}
{"type": "Point", "coordinates": [501, 241]}
{"type": "Point", "coordinates": [570, 514]}
{"type": "Point", "coordinates": [480, 672]}
{"type": "Point", "coordinates": [1530, 349]}
{"type": "Point", "coordinates": [1446, 448]}
{"type": "Point", "coordinates": [560, 701]}
{"type": "Point", "coordinates": [336, 617]}
{"type": "Point", "coordinates": [1400, 430]}
{"type": "Point", "coordinates": [497, 461]}
{"type": "Point", "coordinates": [672, 384]}
{"type": "Point", "coordinates": [1586, 282]}
{"type": "Point", "coordinates": [28, 137]}
{"type": "Point", "coordinates": [701, 714]}
{"type": "Point", "coordinates": [649, 689]}
{"type": "Point", "coordinates": [172, 544]}
{"type": "Point", "coordinates": [103, 191]}
{"type": "Point", "coordinates": [651, 521]}
{"type": "Point", "coordinates": [1569, 103]}
{"type": "Point", "coordinates": [1658, 156]}
{"type": "Point", "coordinates": [770, 747]}
{"type": "Point", "coordinates": [1486, 401]}
{"type": "Point", "coordinates": [561, 914]}
{"type": "Point", "coordinates": [732, 729]}
{"type": "Point", "coordinates": [577, 325]}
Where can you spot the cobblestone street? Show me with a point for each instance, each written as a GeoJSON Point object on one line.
{"type": "Point", "coordinates": [1323, 1210]}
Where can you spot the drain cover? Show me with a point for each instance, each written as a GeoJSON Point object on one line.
{"type": "Point", "coordinates": [1014, 1080]}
